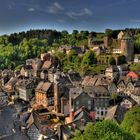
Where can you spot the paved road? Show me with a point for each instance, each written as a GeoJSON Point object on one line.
{"type": "Point", "coordinates": [9, 131]}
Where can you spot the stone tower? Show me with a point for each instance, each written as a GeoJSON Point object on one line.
{"type": "Point", "coordinates": [90, 43]}
{"type": "Point", "coordinates": [127, 47]}
{"type": "Point", "coordinates": [107, 41]}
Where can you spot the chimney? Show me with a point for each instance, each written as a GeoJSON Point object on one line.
{"type": "Point", "coordinates": [92, 115]}
{"type": "Point", "coordinates": [62, 105]}
{"type": "Point", "coordinates": [56, 98]}
{"type": "Point", "coordinates": [71, 115]}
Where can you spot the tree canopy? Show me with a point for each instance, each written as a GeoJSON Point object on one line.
{"type": "Point", "coordinates": [105, 130]}
{"type": "Point", "coordinates": [131, 122]}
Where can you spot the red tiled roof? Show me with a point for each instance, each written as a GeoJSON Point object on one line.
{"type": "Point", "coordinates": [133, 74]}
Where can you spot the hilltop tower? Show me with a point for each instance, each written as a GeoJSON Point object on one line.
{"type": "Point", "coordinates": [127, 47]}
{"type": "Point", "coordinates": [90, 42]}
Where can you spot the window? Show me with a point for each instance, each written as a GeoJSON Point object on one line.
{"type": "Point", "coordinates": [89, 107]}
{"type": "Point", "coordinates": [102, 113]}
{"type": "Point", "coordinates": [77, 107]}
{"type": "Point", "coordinates": [97, 112]}
{"type": "Point", "coordinates": [77, 102]}
{"type": "Point", "coordinates": [89, 102]}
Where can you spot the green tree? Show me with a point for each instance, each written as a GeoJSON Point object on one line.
{"type": "Point", "coordinates": [109, 32]}
{"type": "Point", "coordinates": [112, 61]}
{"type": "Point", "coordinates": [114, 97]}
{"type": "Point", "coordinates": [121, 60]}
{"type": "Point", "coordinates": [105, 130]}
{"type": "Point", "coordinates": [131, 122]}
{"type": "Point", "coordinates": [88, 58]}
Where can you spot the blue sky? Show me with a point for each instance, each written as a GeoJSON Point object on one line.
{"type": "Point", "coordinates": [93, 15]}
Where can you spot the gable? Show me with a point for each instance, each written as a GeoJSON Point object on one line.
{"type": "Point", "coordinates": [33, 132]}
{"type": "Point", "coordinates": [121, 83]}
{"type": "Point", "coordinates": [130, 85]}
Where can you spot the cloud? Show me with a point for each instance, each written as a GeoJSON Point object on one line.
{"type": "Point", "coordinates": [135, 20]}
{"type": "Point", "coordinates": [55, 8]}
{"type": "Point", "coordinates": [80, 13]}
{"type": "Point", "coordinates": [31, 9]}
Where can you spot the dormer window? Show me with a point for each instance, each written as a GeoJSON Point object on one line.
{"type": "Point", "coordinates": [77, 102]}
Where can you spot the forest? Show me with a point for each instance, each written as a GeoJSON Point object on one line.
{"type": "Point", "coordinates": [17, 47]}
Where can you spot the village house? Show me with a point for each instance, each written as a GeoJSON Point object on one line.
{"type": "Point", "coordinates": [26, 71]}
{"type": "Point", "coordinates": [99, 50]}
{"type": "Point", "coordinates": [44, 94]}
{"type": "Point", "coordinates": [80, 119]}
{"type": "Point", "coordinates": [101, 102]}
{"type": "Point", "coordinates": [36, 65]}
{"type": "Point", "coordinates": [133, 75]}
{"type": "Point", "coordinates": [41, 124]}
{"type": "Point", "coordinates": [100, 80]}
{"type": "Point", "coordinates": [96, 80]}
{"type": "Point", "coordinates": [112, 88]}
{"type": "Point", "coordinates": [44, 75]}
{"type": "Point", "coordinates": [16, 73]}
{"type": "Point", "coordinates": [74, 78]}
{"type": "Point", "coordinates": [60, 100]}
{"type": "Point", "coordinates": [97, 100]}
{"type": "Point", "coordinates": [6, 74]}
{"type": "Point", "coordinates": [29, 62]}
{"type": "Point", "coordinates": [112, 71]}
{"type": "Point", "coordinates": [116, 71]}
{"type": "Point", "coordinates": [116, 113]}
{"type": "Point", "coordinates": [10, 86]}
{"type": "Point", "coordinates": [136, 93]}
{"type": "Point", "coordinates": [128, 103]}
{"type": "Point", "coordinates": [49, 67]}
{"type": "Point", "coordinates": [129, 88]}
{"type": "Point", "coordinates": [67, 49]}
{"type": "Point", "coordinates": [25, 88]}
{"type": "Point", "coordinates": [137, 58]}
{"type": "Point", "coordinates": [62, 85]}
{"type": "Point", "coordinates": [4, 80]}
{"type": "Point", "coordinates": [121, 85]}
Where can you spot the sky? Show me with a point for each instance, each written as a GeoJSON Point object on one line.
{"type": "Point", "coordinates": [92, 15]}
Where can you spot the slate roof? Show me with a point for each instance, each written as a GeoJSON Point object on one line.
{"type": "Point", "coordinates": [13, 80]}
{"type": "Point", "coordinates": [75, 92]}
{"type": "Point", "coordinates": [27, 67]}
{"type": "Point", "coordinates": [103, 90]}
{"type": "Point", "coordinates": [137, 91]}
{"type": "Point", "coordinates": [82, 113]}
{"type": "Point", "coordinates": [44, 86]}
{"type": "Point", "coordinates": [24, 82]}
{"type": "Point", "coordinates": [47, 65]}
{"type": "Point", "coordinates": [131, 100]}
{"type": "Point", "coordinates": [74, 77]}
{"type": "Point", "coordinates": [96, 80]}
{"type": "Point", "coordinates": [116, 113]}
{"type": "Point", "coordinates": [40, 118]}
{"type": "Point", "coordinates": [89, 81]}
